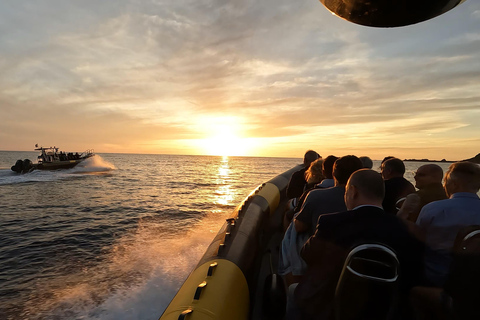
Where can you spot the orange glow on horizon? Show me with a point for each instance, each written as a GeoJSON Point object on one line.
{"type": "Point", "coordinates": [224, 138]}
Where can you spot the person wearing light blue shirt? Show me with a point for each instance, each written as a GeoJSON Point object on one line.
{"type": "Point", "coordinates": [440, 221]}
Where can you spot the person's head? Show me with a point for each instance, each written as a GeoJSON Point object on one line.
{"type": "Point", "coordinates": [462, 177]}
{"type": "Point", "coordinates": [428, 174]}
{"type": "Point", "coordinates": [314, 172]}
{"type": "Point", "coordinates": [344, 167]}
{"type": "Point", "coordinates": [387, 158]}
{"type": "Point", "coordinates": [364, 187]}
{"type": "Point", "coordinates": [367, 162]}
{"type": "Point", "coordinates": [328, 166]}
{"type": "Point", "coordinates": [309, 157]}
{"type": "Point", "coordinates": [392, 168]}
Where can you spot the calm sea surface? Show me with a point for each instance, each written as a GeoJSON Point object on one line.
{"type": "Point", "coordinates": [116, 237]}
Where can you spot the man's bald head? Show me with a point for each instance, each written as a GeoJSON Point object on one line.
{"type": "Point", "coordinates": [428, 174]}
{"type": "Point", "coordinates": [365, 187]}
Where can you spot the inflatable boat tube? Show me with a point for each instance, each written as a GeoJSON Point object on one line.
{"type": "Point", "coordinates": [226, 281]}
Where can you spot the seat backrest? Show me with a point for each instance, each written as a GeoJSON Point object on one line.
{"type": "Point", "coordinates": [463, 281]}
{"type": "Point", "coordinates": [367, 287]}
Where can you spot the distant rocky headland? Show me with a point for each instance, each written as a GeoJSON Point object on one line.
{"type": "Point", "coordinates": [475, 159]}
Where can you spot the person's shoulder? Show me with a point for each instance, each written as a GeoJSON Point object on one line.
{"type": "Point", "coordinates": [433, 208]}
{"type": "Point", "coordinates": [334, 218]}
{"type": "Point", "coordinates": [435, 205]}
{"type": "Point", "coordinates": [327, 192]}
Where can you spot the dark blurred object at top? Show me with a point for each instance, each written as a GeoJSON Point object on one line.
{"type": "Point", "coordinates": [389, 13]}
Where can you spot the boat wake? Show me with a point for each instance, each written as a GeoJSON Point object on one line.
{"type": "Point", "coordinates": [95, 164]}
{"type": "Point", "coordinates": [136, 279]}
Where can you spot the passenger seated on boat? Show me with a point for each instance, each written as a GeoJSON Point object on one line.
{"type": "Point", "coordinates": [327, 182]}
{"type": "Point", "coordinates": [327, 169]}
{"type": "Point", "coordinates": [313, 176]}
{"type": "Point", "coordinates": [367, 162]}
{"type": "Point", "coordinates": [428, 181]}
{"type": "Point", "coordinates": [458, 299]}
{"type": "Point", "coordinates": [396, 186]}
{"type": "Point", "coordinates": [364, 222]}
{"type": "Point", "coordinates": [317, 202]}
{"type": "Point", "coordinates": [440, 221]}
{"type": "Point", "coordinates": [297, 182]}
{"type": "Point", "coordinates": [320, 201]}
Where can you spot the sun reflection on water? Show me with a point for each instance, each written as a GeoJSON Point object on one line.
{"type": "Point", "coordinates": [224, 194]}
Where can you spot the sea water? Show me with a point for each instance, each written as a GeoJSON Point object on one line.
{"type": "Point", "coordinates": [116, 236]}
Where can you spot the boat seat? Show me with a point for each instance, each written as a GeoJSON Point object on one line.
{"type": "Point", "coordinates": [367, 288]}
{"type": "Point", "coordinates": [458, 299]}
{"type": "Point", "coordinates": [463, 282]}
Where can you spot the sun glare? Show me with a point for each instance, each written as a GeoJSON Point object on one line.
{"type": "Point", "coordinates": [223, 138]}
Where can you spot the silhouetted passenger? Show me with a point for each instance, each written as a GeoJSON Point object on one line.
{"type": "Point", "coordinates": [396, 186]}
{"type": "Point", "coordinates": [327, 170]}
{"type": "Point", "coordinates": [440, 221]}
{"type": "Point", "coordinates": [320, 201]}
{"type": "Point", "coordinates": [313, 176]}
{"type": "Point", "coordinates": [297, 182]}
{"type": "Point", "coordinates": [317, 202]}
{"type": "Point", "coordinates": [428, 181]}
{"type": "Point", "coordinates": [365, 222]}
{"type": "Point", "coordinates": [367, 162]}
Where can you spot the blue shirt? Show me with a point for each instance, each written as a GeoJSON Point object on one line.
{"type": "Point", "coordinates": [440, 221]}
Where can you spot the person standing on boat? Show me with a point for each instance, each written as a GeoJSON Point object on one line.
{"type": "Point", "coordinates": [396, 186]}
{"type": "Point", "coordinates": [428, 181]}
{"type": "Point", "coordinates": [440, 221]}
{"type": "Point", "coordinates": [364, 222]}
{"type": "Point", "coordinates": [297, 182]}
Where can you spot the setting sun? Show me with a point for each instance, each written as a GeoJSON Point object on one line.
{"type": "Point", "coordinates": [223, 138]}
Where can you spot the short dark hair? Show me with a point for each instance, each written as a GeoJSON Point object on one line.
{"type": "Point", "coordinates": [467, 172]}
{"type": "Point", "coordinates": [395, 165]}
{"type": "Point", "coordinates": [387, 158]}
{"type": "Point", "coordinates": [310, 156]}
{"type": "Point", "coordinates": [369, 183]}
{"type": "Point", "coordinates": [328, 166]}
{"type": "Point", "coordinates": [345, 166]}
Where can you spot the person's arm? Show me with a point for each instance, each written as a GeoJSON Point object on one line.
{"type": "Point", "coordinates": [410, 206]}
{"type": "Point", "coordinates": [295, 185]}
{"type": "Point", "coordinates": [423, 222]}
{"type": "Point", "coordinates": [300, 226]}
{"type": "Point", "coordinates": [303, 217]}
{"type": "Point", "coordinates": [316, 245]}
{"type": "Point", "coordinates": [311, 248]}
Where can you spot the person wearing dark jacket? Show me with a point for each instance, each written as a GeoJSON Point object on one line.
{"type": "Point", "coordinates": [337, 233]}
{"type": "Point", "coordinates": [397, 188]}
{"type": "Point", "coordinates": [297, 182]}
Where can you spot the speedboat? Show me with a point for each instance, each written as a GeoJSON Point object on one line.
{"type": "Point", "coordinates": [51, 159]}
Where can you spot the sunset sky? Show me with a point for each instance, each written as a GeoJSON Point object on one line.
{"type": "Point", "coordinates": [256, 78]}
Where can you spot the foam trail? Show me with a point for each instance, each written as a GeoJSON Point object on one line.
{"type": "Point", "coordinates": [136, 280]}
{"type": "Point", "coordinates": [94, 164]}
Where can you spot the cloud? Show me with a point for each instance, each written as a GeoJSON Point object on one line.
{"type": "Point", "coordinates": [145, 71]}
